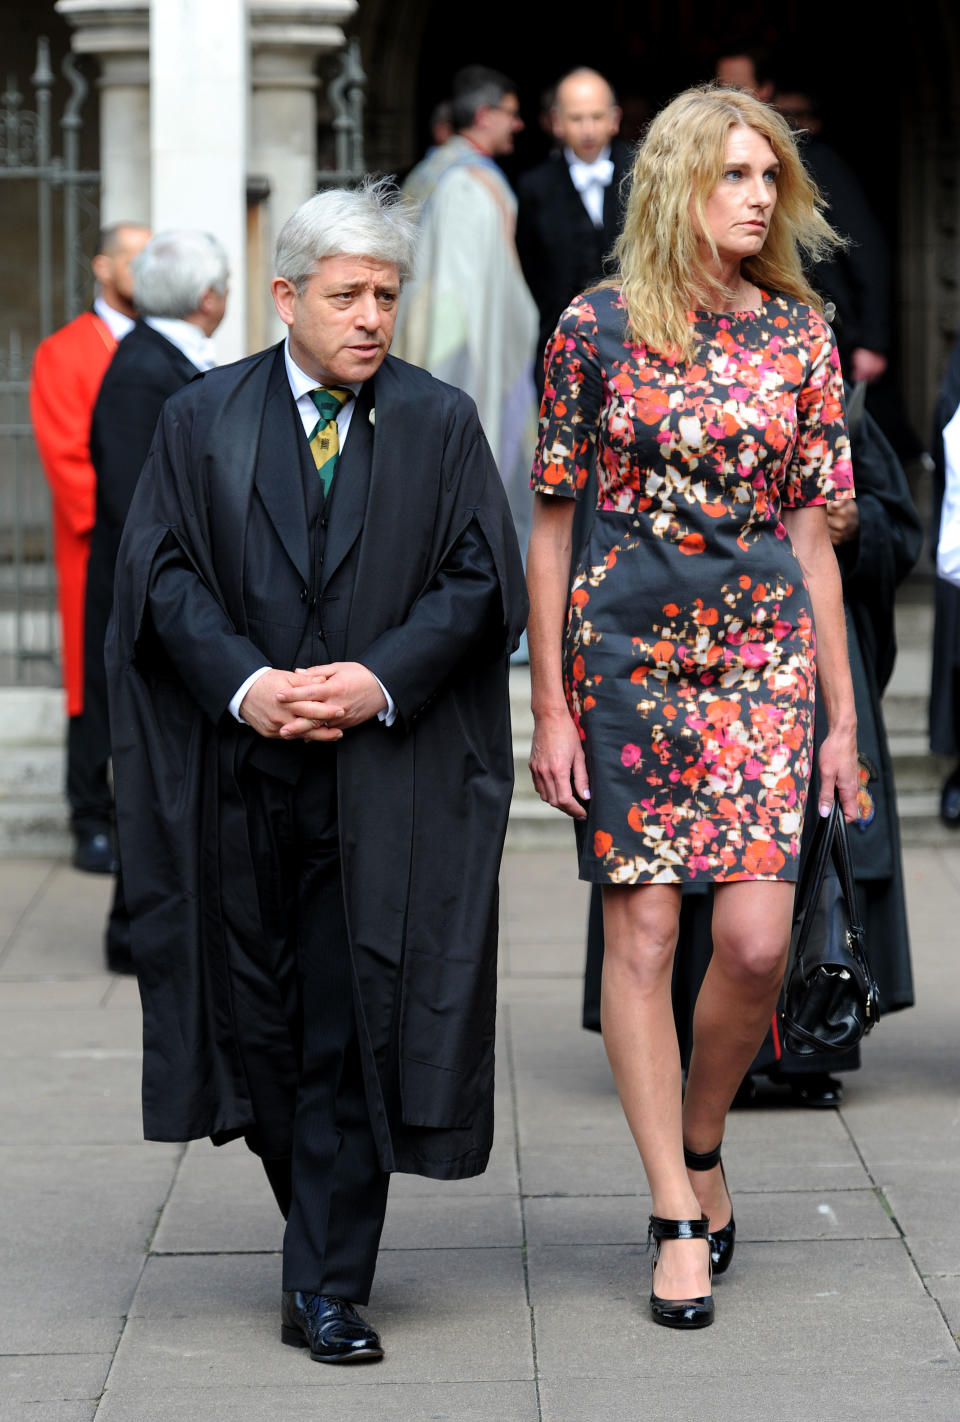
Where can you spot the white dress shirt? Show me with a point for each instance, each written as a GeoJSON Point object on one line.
{"type": "Point", "coordinates": [188, 338]}
{"type": "Point", "coordinates": [301, 385]}
{"type": "Point", "coordinates": [118, 323]}
{"type": "Point", "coordinates": [591, 181]}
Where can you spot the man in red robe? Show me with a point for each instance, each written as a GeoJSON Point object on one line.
{"type": "Point", "coordinates": [67, 371]}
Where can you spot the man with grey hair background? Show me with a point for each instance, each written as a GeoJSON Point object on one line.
{"type": "Point", "coordinates": [468, 316]}
{"type": "Point", "coordinates": [318, 590]}
{"type": "Point", "coordinates": [180, 290]}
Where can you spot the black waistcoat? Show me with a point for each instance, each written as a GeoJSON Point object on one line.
{"type": "Point", "coordinates": [299, 597]}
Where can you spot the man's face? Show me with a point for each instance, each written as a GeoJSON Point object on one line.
{"type": "Point", "coordinates": [499, 122]}
{"type": "Point", "coordinates": [341, 323]}
{"type": "Point", "coordinates": [585, 117]}
{"type": "Point", "coordinates": [112, 269]}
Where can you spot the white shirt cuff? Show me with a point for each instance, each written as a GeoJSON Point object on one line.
{"type": "Point", "coordinates": [235, 702]}
{"type": "Point", "coordinates": [389, 713]}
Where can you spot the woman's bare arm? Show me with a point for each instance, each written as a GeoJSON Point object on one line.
{"type": "Point", "coordinates": [556, 756]}
{"type": "Point", "coordinates": [837, 761]}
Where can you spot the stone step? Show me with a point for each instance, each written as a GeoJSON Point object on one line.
{"type": "Point", "coordinates": [34, 829]}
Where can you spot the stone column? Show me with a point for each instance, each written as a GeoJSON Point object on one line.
{"type": "Point", "coordinates": [117, 33]}
{"type": "Point", "coordinates": [198, 134]}
{"type": "Point", "coordinates": [286, 40]}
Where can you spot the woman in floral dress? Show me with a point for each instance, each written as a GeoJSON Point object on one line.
{"type": "Point", "coordinates": [674, 715]}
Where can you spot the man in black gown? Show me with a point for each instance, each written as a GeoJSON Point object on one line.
{"type": "Point", "coordinates": [311, 856]}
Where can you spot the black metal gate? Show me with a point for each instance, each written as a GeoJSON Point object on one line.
{"type": "Point", "coordinates": [65, 222]}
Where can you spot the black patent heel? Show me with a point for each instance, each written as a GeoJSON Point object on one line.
{"type": "Point", "coordinates": [721, 1240]}
{"type": "Point", "coordinates": [679, 1313]}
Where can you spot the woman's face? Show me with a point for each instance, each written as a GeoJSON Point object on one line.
{"type": "Point", "coordinates": [737, 213]}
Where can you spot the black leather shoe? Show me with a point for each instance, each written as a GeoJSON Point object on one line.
{"type": "Point", "coordinates": [950, 800]}
{"type": "Point", "coordinates": [815, 1089]}
{"type": "Point", "coordinates": [330, 1327]}
{"type": "Point", "coordinates": [721, 1240]}
{"type": "Point", "coordinates": [679, 1313]}
{"type": "Point", "coordinates": [93, 852]}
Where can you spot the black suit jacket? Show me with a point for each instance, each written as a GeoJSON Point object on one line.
{"type": "Point", "coordinates": [561, 251]}
{"type": "Point", "coordinates": [146, 369]}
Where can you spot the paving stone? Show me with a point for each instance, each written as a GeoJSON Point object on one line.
{"type": "Point", "coordinates": [946, 1290]}
{"type": "Point", "coordinates": [782, 1306]}
{"type": "Point", "coordinates": [76, 1225]}
{"type": "Point", "coordinates": [71, 1076]}
{"type": "Point", "coordinates": [674, 1394]}
{"type": "Point", "coordinates": [470, 1222]}
{"type": "Point", "coordinates": [52, 1377]}
{"type": "Point", "coordinates": [20, 881]}
{"type": "Point", "coordinates": [445, 1316]}
{"type": "Point", "coordinates": [924, 1201]}
{"type": "Point", "coordinates": [221, 1202]}
{"type": "Point", "coordinates": [849, 1214]}
{"type": "Point", "coordinates": [48, 1411]}
{"type": "Point", "coordinates": [62, 931]}
{"type": "Point", "coordinates": [601, 1168]}
{"type": "Point", "coordinates": [49, 994]}
{"type": "Point", "coordinates": [365, 1395]}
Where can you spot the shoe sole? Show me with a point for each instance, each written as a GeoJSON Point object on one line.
{"type": "Point", "coordinates": [295, 1339]}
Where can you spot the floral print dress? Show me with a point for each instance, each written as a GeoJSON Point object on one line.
{"type": "Point", "coordinates": [689, 647]}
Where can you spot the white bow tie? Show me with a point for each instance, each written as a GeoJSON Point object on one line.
{"type": "Point", "coordinates": [583, 174]}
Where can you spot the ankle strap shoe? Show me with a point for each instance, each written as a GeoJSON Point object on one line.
{"type": "Point", "coordinates": [679, 1313]}
{"type": "Point", "coordinates": [721, 1240]}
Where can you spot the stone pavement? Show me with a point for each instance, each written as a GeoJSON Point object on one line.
{"type": "Point", "coordinates": [140, 1282]}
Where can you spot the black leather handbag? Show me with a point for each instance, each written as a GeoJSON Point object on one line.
{"type": "Point", "coordinates": [830, 996]}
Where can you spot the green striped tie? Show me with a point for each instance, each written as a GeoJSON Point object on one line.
{"type": "Point", "coordinates": [324, 442]}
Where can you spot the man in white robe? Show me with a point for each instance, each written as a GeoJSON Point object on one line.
{"type": "Point", "coordinates": [468, 316]}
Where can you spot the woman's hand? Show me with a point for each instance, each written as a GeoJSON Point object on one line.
{"type": "Point", "coordinates": [557, 762]}
{"type": "Point", "coordinates": [837, 764]}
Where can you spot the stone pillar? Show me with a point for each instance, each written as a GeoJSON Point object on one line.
{"type": "Point", "coordinates": [198, 135]}
{"type": "Point", "coordinates": [117, 33]}
{"type": "Point", "coordinates": [286, 40]}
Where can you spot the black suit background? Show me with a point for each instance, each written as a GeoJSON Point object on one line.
{"type": "Point", "coordinates": [146, 369]}
{"type": "Point", "coordinates": [561, 251]}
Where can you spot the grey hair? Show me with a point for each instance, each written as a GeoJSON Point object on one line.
{"type": "Point", "coordinates": [174, 270]}
{"type": "Point", "coordinates": [373, 220]}
{"type": "Point", "coordinates": [475, 88]}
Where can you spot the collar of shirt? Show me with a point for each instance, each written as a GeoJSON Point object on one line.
{"type": "Point", "coordinates": [187, 338]}
{"type": "Point", "coordinates": [591, 180]}
{"type": "Point", "coordinates": [118, 323]}
{"type": "Point", "coordinates": [300, 386]}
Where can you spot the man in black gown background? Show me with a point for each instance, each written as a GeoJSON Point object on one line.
{"type": "Point", "coordinates": [311, 857]}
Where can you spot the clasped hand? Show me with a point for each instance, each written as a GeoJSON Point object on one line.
{"type": "Point", "coordinates": [312, 703]}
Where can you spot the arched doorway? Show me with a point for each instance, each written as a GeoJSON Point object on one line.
{"type": "Point", "coordinates": [890, 98]}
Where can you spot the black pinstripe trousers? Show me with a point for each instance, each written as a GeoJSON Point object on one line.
{"type": "Point", "coordinates": [313, 1126]}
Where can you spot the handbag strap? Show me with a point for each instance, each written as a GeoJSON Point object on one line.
{"type": "Point", "coordinates": [843, 863]}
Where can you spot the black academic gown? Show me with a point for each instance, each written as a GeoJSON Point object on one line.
{"type": "Point", "coordinates": [945, 673]}
{"type": "Point", "coordinates": [422, 807]}
{"type": "Point", "coordinates": [561, 251]}
{"type": "Point", "coordinates": [872, 565]}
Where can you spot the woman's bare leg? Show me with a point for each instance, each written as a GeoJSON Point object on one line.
{"type": "Point", "coordinates": [751, 935]}
{"type": "Point", "coordinates": [640, 938]}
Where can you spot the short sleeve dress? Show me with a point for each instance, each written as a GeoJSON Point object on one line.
{"type": "Point", "coordinates": [689, 647]}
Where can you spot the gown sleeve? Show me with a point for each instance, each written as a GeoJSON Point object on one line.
{"type": "Point", "coordinates": [572, 401]}
{"type": "Point", "coordinates": [820, 470]}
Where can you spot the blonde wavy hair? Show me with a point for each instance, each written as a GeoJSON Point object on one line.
{"type": "Point", "coordinates": [662, 264]}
